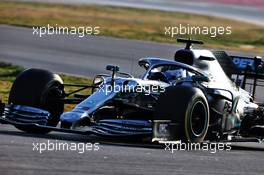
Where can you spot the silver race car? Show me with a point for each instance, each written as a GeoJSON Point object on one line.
{"type": "Point", "coordinates": [190, 98]}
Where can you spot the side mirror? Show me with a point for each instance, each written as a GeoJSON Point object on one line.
{"type": "Point", "coordinates": [97, 81]}
{"type": "Point", "coordinates": [200, 78]}
{"type": "Point", "coordinates": [112, 68]}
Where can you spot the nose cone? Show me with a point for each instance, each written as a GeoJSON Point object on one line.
{"type": "Point", "coordinates": [70, 117]}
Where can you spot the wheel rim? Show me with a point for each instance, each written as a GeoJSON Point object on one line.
{"type": "Point", "coordinates": [51, 95]}
{"type": "Point", "coordinates": [50, 101]}
{"type": "Point", "coordinates": [198, 118]}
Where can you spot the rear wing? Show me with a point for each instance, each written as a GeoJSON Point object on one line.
{"type": "Point", "coordinates": [248, 64]}
{"type": "Point", "coordinates": [246, 72]}
{"type": "Point", "coordinates": [250, 76]}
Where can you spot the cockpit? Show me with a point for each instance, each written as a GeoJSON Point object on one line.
{"type": "Point", "coordinates": [169, 73]}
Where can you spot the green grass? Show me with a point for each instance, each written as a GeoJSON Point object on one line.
{"type": "Point", "coordinates": [8, 73]}
{"type": "Point", "coordinates": [132, 23]}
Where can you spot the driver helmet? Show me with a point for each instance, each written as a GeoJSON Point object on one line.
{"type": "Point", "coordinates": [176, 74]}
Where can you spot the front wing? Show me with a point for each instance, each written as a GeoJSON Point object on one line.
{"type": "Point", "coordinates": [25, 116]}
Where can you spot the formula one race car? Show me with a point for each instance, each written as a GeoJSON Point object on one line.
{"type": "Point", "coordinates": [191, 99]}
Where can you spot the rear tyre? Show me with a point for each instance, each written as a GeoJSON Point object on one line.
{"type": "Point", "coordinates": [41, 89]}
{"type": "Point", "coordinates": [187, 107]}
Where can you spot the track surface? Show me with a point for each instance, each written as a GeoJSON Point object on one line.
{"type": "Point", "coordinates": [117, 158]}
{"type": "Point", "coordinates": [87, 57]}
{"type": "Point", "coordinates": [82, 56]}
{"type": "Point", "coordinates": [233, 9]}
{"type": "Point", "coordinates": [70, 54]}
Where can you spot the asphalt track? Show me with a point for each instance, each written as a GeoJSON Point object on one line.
{"type": "Point", "coordinates": [70, 54]}
{"type": "Point", "coordinates": [117, 158]}
{"type": "Point", "coordinates": [238, 11]}
{"type": "Point", "coordinates": [88, 56]}
{"type": "Point", "coordinates": [85, 56]}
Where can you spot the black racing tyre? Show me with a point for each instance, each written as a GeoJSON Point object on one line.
{"type": "Point", "coordinates": [38, 88]}
{"type": "Point", "coordinates": [188, 107]}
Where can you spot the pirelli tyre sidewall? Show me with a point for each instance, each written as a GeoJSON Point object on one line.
{"type": "Point", "coordinates": [196, 119]}
{"type": "Point", "coordinates": [38, 88]}
{"type": "Point", "coordinates": [187, 108]}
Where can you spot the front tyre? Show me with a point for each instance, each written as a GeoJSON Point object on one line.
{"type": "Point", "coordinates": [188, 112]}
{"type": "Point", "coordinates": [41, 89]}
{"type": "Point", "coordinates": [196, 120]}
